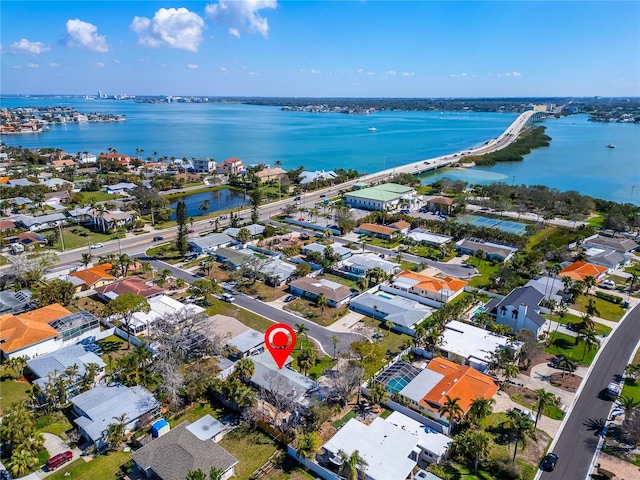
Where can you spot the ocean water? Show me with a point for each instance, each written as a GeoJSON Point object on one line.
{"type": "Point", "coordinates": [577, 158]}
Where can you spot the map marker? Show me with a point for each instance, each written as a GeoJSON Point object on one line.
{"type": "Point", "coordinates": [280, 340]}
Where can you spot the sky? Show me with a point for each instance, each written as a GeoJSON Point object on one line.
{"type": "Point", "coordinates": [338, 48]}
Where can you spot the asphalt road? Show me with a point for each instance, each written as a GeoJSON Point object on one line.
{"type": "Point", "coordinates": [322, 335]}
{"type": "Point", "coordinates": [578, 441]}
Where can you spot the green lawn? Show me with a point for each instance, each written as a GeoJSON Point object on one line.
{"type": "Point", "coordinates": [104, 467]}
{"type": "Point", "coordinates": [341, 280]}
{"type": "Point", "coordinates": [12, 391]}
{"type": "Point", "coordinates": [323, 362]}
{"type": "Point", "coordinates": [539, 237]}
{"type": "Point", "coordinates": [565, 344]}
{"type": "Point", "coordinates": [630, 388]}
{"type": "Point", "coordinates": [78, 237]}
{"type": "Point", "coordinates": [379, 242]}
{"type": "Point", "coordinates": [570, 318]}
{"type": "Point", "coordinates": [197, 410]}
{"type": "Point", "coordinates": [100, 196]}
{"type": "Point", "coordinates": [250, 319]}
{"type": "Point", "coordinates": [308, 309]}
{"type": "Point", "coordinates": [606, 310]}
{"type": "Point", "coordinates": [251, 447]}
{"type": "Point", "coordinates": [550, 411]}
{"type": "Point", "coordinates": [341, 421]}
{"type": "Point", "coordinates": [486, 269]}
{"type": "Point", "coordinates": [167, 252]}
{"type": "Point", "coordinates": [56, 423]}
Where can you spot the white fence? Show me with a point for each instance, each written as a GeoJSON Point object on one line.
{"type": "Point", "coordinates": [314, 467]}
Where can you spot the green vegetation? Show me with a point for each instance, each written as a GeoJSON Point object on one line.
{"type": "Point", "coordinates": [561, 344]}
{"type": "Point", "coordinates": [606, 310]}
{"type": "Point", "coordinates": [12, 391]}
{"type": "Point", "coordinates": [166, 252]}
{"type": "Point", "coordinates": [341, 280]}
{"type": "Point", "coordinates": [550, 411]}
{"type": "Point", "coordinates": [251, 447]}
{"type": "Point", "coordinates": [55, 423]}
{"type": "Point", "coordinates": [93, 197]}
{"type": "Point", "coordinates": [391, 342]}
{"type": "Point", "coordinates": [340, 422]}
{"type": "Point", "coordinates": [104, 467]}
{"type": "Point", "coordinates": [322, 315]}
{"type": "Point", "coordinates": [631, 388]}
{"type": "Point", "coordinates": [515, 152]}
{"type": "Point", "coordinates": [78, 237]}
{"type": "Point", "coordinates": [486, 268]}
{"type": "Point", "coordinates": [250, 319]}
{"type": "Point", "coordinates": [197, 410]}
{"type": "Point", "coordinates": [570, 318]}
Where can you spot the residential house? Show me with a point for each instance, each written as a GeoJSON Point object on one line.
{"type": "Point", "coordinates": [99, 407]}
{"type": "Point", "coordinates": [403, 313]}
{"type": "Point", "coordinates": [231, 166]}
{"type": "Point", "coordinates": [338, 249]}
{"type": "Point", "coordinates": [81, 214]}
{"type": "Point", "coordinates": [183, 449]}
{"type": "Point", "coordinates": [440, 204]}
{"type": "Point", "coordinates": [420, 235]}
{"type": "Point", "coordinates": [335, 293]}
{"type": "Point", "coordinates": [255, 230]}
{"type": "Point", "coordinates": [106, 220]}
{"type": "Point", "coordinates": [134, 285]}
{"type": "Point", "coordinates": [56, 199]}
{"type": "Point", "coordinates": [210, 243]}
{"type": "Point", "coordinates": [579, 271]}
{"type": "Point", "coordinates": [611, 259]}
{"type": "Point", "coordinates": [442, 378]}
{"type": "Point", "coordinates": [44, 330]}
{"type": "Point", "coordinates": [441, 290]}
{"type": "Point", "coordinates": [387, 196]}
{"type": "Point", "coordinates": [494, 251]}
{"type": "Point", "coordinates": [63, 163]}
{"type": "Point", "coordinates": [360, 263]}
{"type": "Point", "coordinates": [162, 306]}
{"type": "Point", "coordinates": [42, 222]}
{"type": "Point", "coordinates": [551, 287]}
{"type": "Point", "coordinates": [233, 258]}
{"type": "Point", "coordinates": [267, 174]}
{"type": "Point", "coordinates": [94, 277]}
{"type": "Point", "coordinates": [520, 309]}
{"type": "Point", "coordinates": [203, 165]}
{"type": "Point", "coordinates": [120, 188]}
{"type": "Point", "coordinates": [276, 272]}
{"type": "Point", "coordinates": [87, 158]}
{"type": "Point", "coordinates": [385, 232]}
{"type": "Point", "coordinates": [310, 177]}
{"type": "Point", "coordinates": [18, 203]}
{"type": "Point", "coordinates": [28, 239]}
{"type": "Point", "coordinates": [17, 182]}
{"type": "Point", "coordinates": [619, 244]}
{"type": "Point", "coordinates": [56, 183]}
{"type": "Point", "coordinates": [469, 345]}
{"type": "Point", "coordinates": [55, 363]}
{"type": "Point", "coordinates": [390, 451]}
{"type": "Point", "coordinates": [116, 157]}
{"type": "Point", "coordinates": [248, 343]}
{"type": "Point", "coordinates": [15, 302]}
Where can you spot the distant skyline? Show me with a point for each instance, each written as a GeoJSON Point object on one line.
{"type": "Point", "coordinates": [321, 48]}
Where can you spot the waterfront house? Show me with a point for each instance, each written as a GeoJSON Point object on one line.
{"type": "Point", "coordinates": [116, 157]}
{"type": "Point", "coordinates": [440, 204]}
{"type": "Point", "coordinates": [310, 177]}
{"type": "Point", "coordinates": [186, 448]}
{"type": "Point", "coordinates": [520, 309]}
{"type": "Point", "coordinates": [97, 408]}
{"type": "Point", "coordinates": [494, 251]}
{"type": "Point", "coordinates": [412, 285]}
{"type": "Point", "coordinates": [203, 165]}
{"type": "Point", "coordinates": [231, 166]}
{"type": "Point", "coordinates": [87, 158]}
{"type": "Point", "coordinates": [387, 196]}
{"type": "Point", "coordinates": [335, 293]}
{"type": "Point", "coordinates": [579, 271]}
{"type": "Point", "coordinates": [268, 174]}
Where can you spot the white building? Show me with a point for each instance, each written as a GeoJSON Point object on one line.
{"type": "Point", "coordinates": [203, 165]}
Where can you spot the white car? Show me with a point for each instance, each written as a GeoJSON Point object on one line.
{"type": "Point", "coordinates": [608, 284]}
{"type": "Point", "coordinates": [96, 245]}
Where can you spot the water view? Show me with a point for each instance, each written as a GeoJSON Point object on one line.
{"type": "Point", "coordinates": [218, 200]}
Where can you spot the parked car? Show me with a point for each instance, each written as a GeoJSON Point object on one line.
{"type": "Point", "coordinates": [191, 230]}
{"type": "Point", "coordinates": [608, 284]}
{"type": "Point", "coordinates": [59, 459]}
{"type": "Point", "coordinates": [322, 196]}
{"type": "Point", "coordinates": [290, 298]}
{"type": "Point", "coordinates": [423, 209]}
{"type": "Point", "coordinates": [549, 462]}
{"type": "Point", "coordinates": [158, 238]}
{"type": "Point", "coordinates": [96, 245]}
{"type": "Point", "coordinates": [405, 211]}
{"type": "Point", "coordinates": [223, 217]}
{"type": "Point", "coordinates": [527, 413]}
{"type": "Point", "coordinates": [227, 297]}
{"type": "Point", "coordinates": [297, 199]}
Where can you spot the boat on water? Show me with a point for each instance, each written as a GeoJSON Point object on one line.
{"type": "Point", "coordinates": [373, 129]}
{"type": "Point", "coordinates": [611, 145]}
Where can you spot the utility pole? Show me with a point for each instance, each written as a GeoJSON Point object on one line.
{"type": "Point", "coordinates": [61, 236]}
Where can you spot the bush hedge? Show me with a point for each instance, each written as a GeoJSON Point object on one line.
{"type": "Point", "coordinates": [609, 298]}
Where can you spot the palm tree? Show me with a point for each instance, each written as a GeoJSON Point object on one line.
{"type": "Point", "coordinates": [480, 408]}
{"type": "Point", "coordinates": [474, 444]}
{"type": "Point", "coordinates": [451, 409]}
{"type": "Point", "coordinates": [388, 325]}
{"type": "Point", "coordinates": [378, 394]}
{"type": "Point", "coordinates": [321, 301]}
{"type": "Point", "coordinates": [116, 431]}
{"type": "Point", "coordinates": [545, 399]}
{"type": "Point", "coordinates": [632, 280]}
{"type": "Point", "coordinates": [510, 371]}
{"type": "Point", "coordinates": [21, 461]}
{"type": "Point", "coordinates": [566, 363]}
{"type": "Point", "coordinates": [302, 329]}
{"type": "Point", "coordinates": [521, 428]}
{"type": "Point", "coordinates": [307, 359]}
{"type": "Point", "coordinates": [309, 445]}
{"type": "Point", "coordinates": [629, 404]}
{"type": "Point", "coordinates": [591, 307]}
{"type": "Point", "coordinates": [352, 463]}
{"type": "Point", "coordinates": [245, 368]}
{"type": "Point", "coordinates": [590, 340]}
{"type": "Point", "coordinates": [86, 259]}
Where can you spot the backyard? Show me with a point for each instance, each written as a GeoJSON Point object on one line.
{"type": "Point", "coordinates": [104, 467]}
{"type": "Point", "coordinates": [606, 310]}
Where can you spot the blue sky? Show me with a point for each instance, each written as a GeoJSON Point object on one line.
{"type": "Point", "coordinates": [327, 48]}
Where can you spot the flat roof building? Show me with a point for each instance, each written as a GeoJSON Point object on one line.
{"type": "Point", "coordinates": [387, 196]}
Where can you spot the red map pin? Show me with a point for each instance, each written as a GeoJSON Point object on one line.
{"type": "Point", "coordinates": [280, 340]}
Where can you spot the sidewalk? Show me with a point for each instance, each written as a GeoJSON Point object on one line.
{"type": "Point", "coordinates": [546, 424]}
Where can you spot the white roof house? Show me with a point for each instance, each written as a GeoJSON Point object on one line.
{"type": "Point", "coordinates": [361, 263]}
{"type": "Point", "coordinates": [464, 343]}
{"type": "Point", "coordinates": [248, 342]}
{"type": "Point", "coordinates": [210, 243]}
{"type": "Point", "coordinates": [434, 445]}
{"type": "Point", "coordinates": [161, 305]}
{"type": "Point", "coordinates": [255, 229]}
{"type": "Point", "coordinates": [425, 236]}
{"type": "Point", "coordinates": [390, 452]}
{"type": "Point", "coordinates": [308, 177]}
{"type": "Point", "coordinates": [120, 187]}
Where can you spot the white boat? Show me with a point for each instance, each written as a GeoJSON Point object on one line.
{"type": "Point", "coordinates": [611, 145]}
{"type": "Point", "coordinates": [373, 129]}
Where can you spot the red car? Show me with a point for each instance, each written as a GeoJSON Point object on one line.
{"type": "Point", "coordinates": [59, 459]}
{"type": "Point", "coordinates": [191, 230]}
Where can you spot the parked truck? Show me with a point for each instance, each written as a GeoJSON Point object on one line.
{"type": "Point", "coordinates": [613, 390]}
{"type": "Point", "coordinates": [16, 248]}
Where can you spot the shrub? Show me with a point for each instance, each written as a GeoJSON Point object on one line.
{"type": "Point", "coordinates": [609, 298]}
{"type": "Point", "coordinates": [606, 474]}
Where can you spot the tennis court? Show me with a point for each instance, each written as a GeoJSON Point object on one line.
{"type": "Point", "coordinates": [498, 223]}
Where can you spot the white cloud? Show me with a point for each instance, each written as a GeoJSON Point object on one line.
{"type": "Point", "coordinates": [391, 73]}
{"type": "Point", "coordinates": [192, 66]}
{"type": "Point", "coordinates": [314, 71]}
{"type": "Point", "coordinates": [54, 65]}
{"type": "Point", "coordinates": [100, 64]}
{"type": "Point", "coordinates": [234, 32]}
{"type": "Point", "coordinates": [408, 74]}
{"type": "Point", "coordinates": [173, 27]}
{"type": "Point", "coordinates": [243, 14]}
{"type": "Point", "coordinates": [369, 73]}
{"type": "Point", "coordinates": [25, 46]}
{"type": "Point", "coordinates": [116, 61]}
{"type": "Point", "coordinates": [85, 35]}
{"type": "Point", "coordinates": [509, 74]}
{"type": "Point", "coordinates": [360, 70]}
{"type": "Point", "coordinates": [464, 74]}
{"type": "Point", "coordinates": [33, 65]}
{"type": "Point", "coordinates": [17, 67]}
{"type": "Point", "coordinates": [223, 70]}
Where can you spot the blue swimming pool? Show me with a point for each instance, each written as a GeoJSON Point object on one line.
{"type": "Point", "coordinates": [397, 383]}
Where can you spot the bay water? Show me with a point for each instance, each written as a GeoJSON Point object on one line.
{"type": "Point", "coordinates": [576, 160]}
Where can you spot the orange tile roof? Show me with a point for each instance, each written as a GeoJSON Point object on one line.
{"type": "Point", "coordinates": [379, 229]}
{"type": "Point", "coordinates": [135, 285]}
{"type": "Point", "coordinates": [581, 270]}
{"type": "Point", "coordinates": [459, 381]}
{"type": "Point", "coordinates": [432, 284]}
{"type": "Point", "coordinates": [94, 274]}
{"type": "Point", "coordinates": [20, 331]}
{"type": "Point", "coordinates": [4, 179]}
{"type": "Point", "coordinates": [441, 201]}
{"type": "Point", "coordinates": [229, 161]}
{"type": "Point", "coordinates": [400, 225]}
